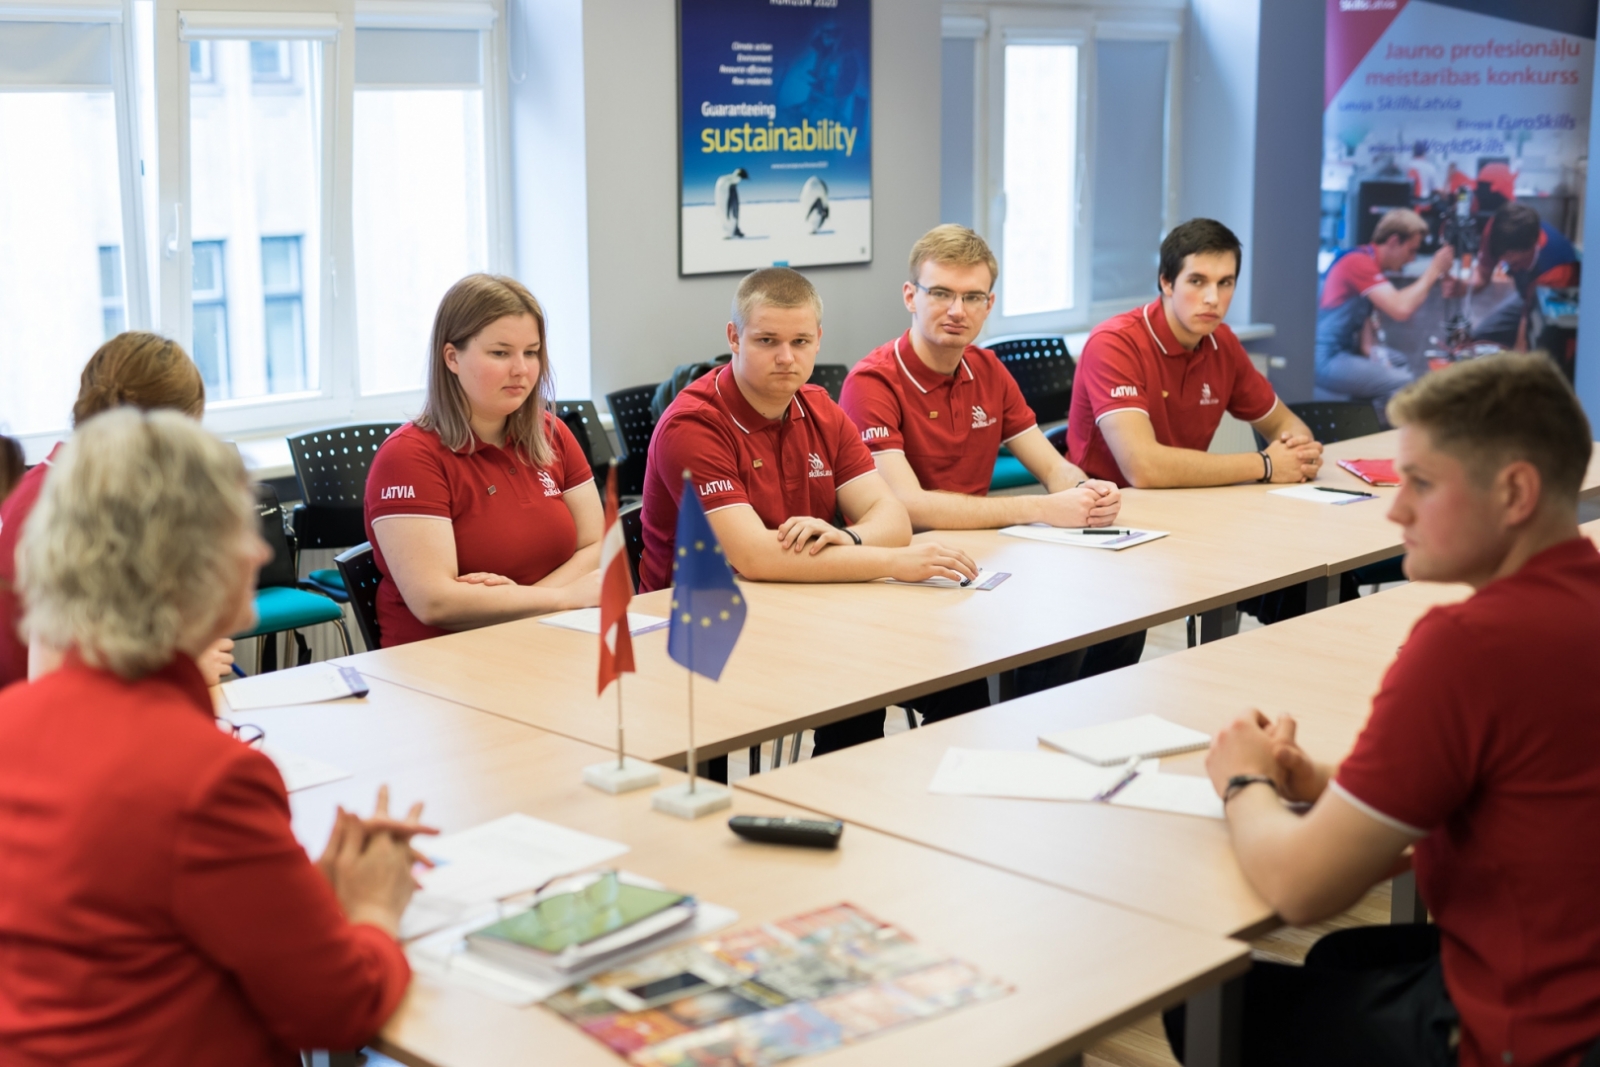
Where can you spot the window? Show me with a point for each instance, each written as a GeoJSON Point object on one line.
{"type": "Point", "coordinates": [210, 345]}
{"type": "Point", "coordinates": [112, 311]}
{"type": "Point", "coordinates": [285, 314]}
{"type": "Point", "coordinates": [1057, 130]}
{"type": "Point", "coordinates": [420, 153]}
{"type": "Point", "coordinates": [214, 178]}
{"type": "Point", "coordinates": [65, 149]}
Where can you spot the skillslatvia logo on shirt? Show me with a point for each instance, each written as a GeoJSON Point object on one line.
{"type": "Point", "coordinates": [980, 418]}
{"type": "Point", "coordinates": [818, 470]}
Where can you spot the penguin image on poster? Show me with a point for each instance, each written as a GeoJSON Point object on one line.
{"type": "Point", "coordinates": [814, 202]}
{"type": "Point", "coordinates": [727, 198]}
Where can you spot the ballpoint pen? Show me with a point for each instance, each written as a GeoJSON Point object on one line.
{"type": "Point", "coordinates": [1130, 771]}
{"type": "Point", "coordinates": [1346, 492]}
{"type": "Point", "coordinates": [1104, 531]}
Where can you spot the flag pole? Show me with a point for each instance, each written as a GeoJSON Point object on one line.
{"type": "Point", "coordinates": [690, 672]}
{"type": "Point", "coordinates": [620, 757]}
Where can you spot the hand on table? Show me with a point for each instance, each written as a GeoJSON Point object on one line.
{"type": "Point", "coordinates": [1094, 503]}
{"type": "Point", "coordinates": [929, 559]}
{"type": "Point", "coordinates": [582, 592]}
{"type": "Point", "coordinates": [1243, 747]}
{"type": "Point", "coordinates": [801, 530]}
{"type": "Point", "coordinates": [216, 662]}
{"type": "Point", "coordinates": [1300, 778]}
{"type": "Point", "coordinates": [1295, 458]}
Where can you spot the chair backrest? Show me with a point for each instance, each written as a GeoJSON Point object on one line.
{"type": "Point", "coordinates": [1043, 370]}
{"type": "Point", "coordinates": [583, 419]}
{"type": "Point", "coordinates": [630, 414]}
{"type": "Point", "coordinates": [1332, 421]}
{"type": "Point", "coordinates": [632, 519]}
{"type": "Point", "coordinates": [360, 573]}
{"type": "Point", "coordinates": [282, 568]}
{"type": "Point", "coordinates": [332, 464]}
{"type": "Point", "coordinates": [830, 376]}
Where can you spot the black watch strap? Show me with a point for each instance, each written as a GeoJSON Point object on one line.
{"type": "Point", "coordinates": [1240, 782]}
{"type": "Point", "coordinates": [1266, 464]}
{"type": "Point", "coordinates": [853, 535]}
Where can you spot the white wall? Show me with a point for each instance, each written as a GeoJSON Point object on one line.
{"type": "Point", "coordinates": [644, 318]}
{"type": "Point", "coordinates": [1218, 152]}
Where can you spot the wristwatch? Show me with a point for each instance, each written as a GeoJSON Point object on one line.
{"type": "Point", "coordinates": [1240, 782]}
{"type": "Point", "coordinates": [1266, 463]}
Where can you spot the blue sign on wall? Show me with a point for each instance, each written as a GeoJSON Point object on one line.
{"type": "Point", "coordinates": [776, 133]}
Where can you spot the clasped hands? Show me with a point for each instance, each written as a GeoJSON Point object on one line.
{"type": "Point", "coordinates": [1295, 458]}
{"type": "Point", "coordinates": [369, 862]}
{"type": "Point", "coordinates": [1256, 745]}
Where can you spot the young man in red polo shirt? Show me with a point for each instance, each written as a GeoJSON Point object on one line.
{"type": "Point", "coordinates": [1152, 384]}
{"type": "Point", "coordinates": [934, 409]}
{"type": "Point", "coordinates": [774, 459]}
{"type": "Point", "coordinates": [1479, 752]}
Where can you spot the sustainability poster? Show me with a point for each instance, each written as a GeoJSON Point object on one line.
{"type": "Point", "coordinates": [776, 133]}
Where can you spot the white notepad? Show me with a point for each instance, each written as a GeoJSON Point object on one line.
{"type": "Point", "coordinates": [1117, 742]}
{"type": "Point", "coordinates": [1058, 535]}
{"type": "Point", "coordinates": [986, 580]}
{"type": "Point", "coordinates": [311, 684]}
{"type": "Point", "coordinates": [1318, 495]}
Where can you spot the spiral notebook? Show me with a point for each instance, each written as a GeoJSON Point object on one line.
{"type": "Point", "coordinates": [1148, 737]}
{"type": "Point", "coordinates": [1372, 471]}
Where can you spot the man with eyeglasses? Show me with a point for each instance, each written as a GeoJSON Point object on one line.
{"type": "Point", "coordinates": [1152, 384]}
{"type": "Point", "coordinates": [934, 409]}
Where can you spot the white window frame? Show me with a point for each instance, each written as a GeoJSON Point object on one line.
{"type": "Point", "coordinates": [991, 27]}
{"type": "Point", "coordinates": [333, 23]}
{"type": "Point", "coordinates": [117, 16]}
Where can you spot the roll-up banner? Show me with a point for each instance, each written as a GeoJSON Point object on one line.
{"type": "Point", "coordinates": [1454, 109]}
{"type": "Point", "coordinates": [775, 133]}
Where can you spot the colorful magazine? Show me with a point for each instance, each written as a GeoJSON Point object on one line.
{"type": "Point", "coordinates": [770, 993]}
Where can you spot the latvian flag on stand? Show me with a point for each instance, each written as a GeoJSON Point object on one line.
{"type": "Point", "coordinates": [616, 589]}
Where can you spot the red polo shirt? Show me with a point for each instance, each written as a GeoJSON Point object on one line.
{"type": "Point", "coordinates": [155, 907]}
{"type": "Point", "coordinates": [14, 511]}
{"type": "Point", "coordinates": [949, 426]}
{"type": "Point", "coordinates": [1133, 363]}
{"type": "Point", "coordinates": [735, 455]}
{"type": "Point", "coordinates": [1482, 743]}
{"type": "Point", "coordinates": [508, 516]}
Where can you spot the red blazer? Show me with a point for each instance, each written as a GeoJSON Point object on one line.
{"type": "Point", "coordinates": [154, 905]}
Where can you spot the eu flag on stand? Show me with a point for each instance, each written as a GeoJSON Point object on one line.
{"type": "Point", "coordinates": [707, 607]}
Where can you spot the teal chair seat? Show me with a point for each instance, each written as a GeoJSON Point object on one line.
{"type": "Point", "coordinates": [1009, 473]}
{"type": "Point", "coordinates": [330, 581]}
{"type": "Point", "coordinates": [280, 608]}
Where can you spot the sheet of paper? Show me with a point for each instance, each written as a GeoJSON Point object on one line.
{"type": "Point", "coordinates": [986, 580]}
{"type": "Point", "coordinates": [1032, 775]}
{"type": "Point", "coordinates": [511, 854]}
{"type": "Point", "coordinates": [1318, 495]}
{"type": "Point", "coordinates": [311, 684]}
{"type": "Point", "coordinates": [1181, 794]}
{"type": "Point", "coordinates": [587, 621]}
{"type": "Point", "coordinates": [1057, 535]}
{"type": "Point", "coordinates": [444, 954]}
{"type": "Point", "coordinates": [302, 772]}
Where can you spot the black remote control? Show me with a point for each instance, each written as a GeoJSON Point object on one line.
{"type": "Point", "coordinates": [781, 830]}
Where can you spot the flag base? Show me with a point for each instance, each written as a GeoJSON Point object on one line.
{"type": "Point", "coordinates": [706, 798]}
{"type": "Point", "coordinates": [633, 774]}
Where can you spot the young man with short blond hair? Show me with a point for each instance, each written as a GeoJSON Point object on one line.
{"type": "Point", "coordinates": [1480, 753]}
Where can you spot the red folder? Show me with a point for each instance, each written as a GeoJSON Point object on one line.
{"type": "Point", "coordinates": [1372, 471]}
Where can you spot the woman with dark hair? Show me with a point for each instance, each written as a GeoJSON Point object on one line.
{"type": "Point", "coordinates": [483, 509]}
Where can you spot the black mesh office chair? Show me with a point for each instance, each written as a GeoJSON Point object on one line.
{"type": "Point", "coordinates": [583, 419]}
{"type": "Point", "coordinates": [332, 466]}
{"type": "Point", "coordinates": [360, 572]}
{"type": "Point", "coordinates": [1043, 369]}
{"type": "Point", "coordinates": [1332, 421]}
{"type": "Point", "coordinates": [634, 422]}
{"type": "Point", "coordinates": [831, 377]}
{"type": "Point", "coordinates": [284, 603]}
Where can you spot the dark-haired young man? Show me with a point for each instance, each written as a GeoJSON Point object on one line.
{"type": "Point", "coordinates": [1152, 384]}
{"type": "Point", "coordinates": [1531, 253]}
{"type": "Point", "coordinates": [1480, 752]}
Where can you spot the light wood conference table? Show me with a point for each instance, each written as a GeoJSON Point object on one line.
{"type": "Point", "coordinates": [1081, 969]}
{"type": "Point", "coordinates": [1322, 667]}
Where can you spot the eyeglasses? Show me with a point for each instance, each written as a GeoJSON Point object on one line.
{"type": "Point", "coordinates": [587, 906]}
{"type": "Point", "coordinates": [245, 732]}
{"type": "Point", "coordinates": [939, 297]}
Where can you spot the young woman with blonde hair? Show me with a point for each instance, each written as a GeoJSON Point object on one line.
{"type": "Point", "coordinates": [483, 508]}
